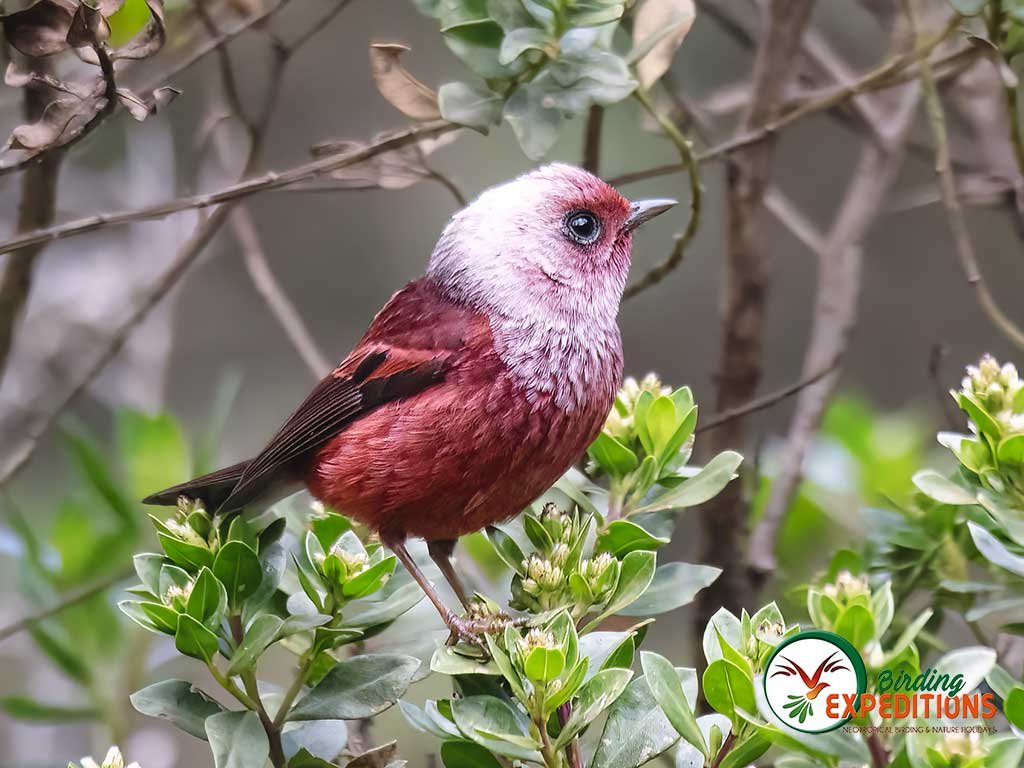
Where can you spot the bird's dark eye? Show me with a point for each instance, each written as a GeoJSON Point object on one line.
{"type": "Point", "coordinates": [582, 227]}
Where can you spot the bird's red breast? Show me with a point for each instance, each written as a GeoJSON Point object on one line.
{"type": "Point", "coordinates": [473, 449]}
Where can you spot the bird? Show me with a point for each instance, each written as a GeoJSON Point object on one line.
{"type": "Point", "coordinates": [474, 388]}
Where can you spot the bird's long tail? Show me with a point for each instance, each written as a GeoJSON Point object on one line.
{"type": "Point", "coordinates": [211, 489]}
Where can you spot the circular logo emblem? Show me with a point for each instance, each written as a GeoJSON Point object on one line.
{"type": "Point", "coordinates": [807, 678]}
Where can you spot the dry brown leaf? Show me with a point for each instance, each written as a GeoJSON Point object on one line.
{"type": "Point", "coordinates": [62, 120]}
{"type": "Point", "coordinates": [397, 169]}
{"type": "Point", "coordinates": [39, 30]}
{"type": "Point", "coordinates": [401, 89]}
{"type": "Point", "coordinates": [149, 40]}
{"type": "Point", "coordinates": [378, 757]}
{"type": "Point", "coordinates": [664, 21]}
{"type": "Point", "coordinates": [88, 27]}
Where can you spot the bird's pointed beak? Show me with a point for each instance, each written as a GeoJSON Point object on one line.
{"type": "Point", "coordinates": [643, 211]}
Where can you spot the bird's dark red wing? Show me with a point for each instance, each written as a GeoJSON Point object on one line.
{"type": "Point", "coordinates": [334, 403]}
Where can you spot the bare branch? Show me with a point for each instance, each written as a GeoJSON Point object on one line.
{"type": "Point", "coordinates": [835, 311]}
{"type": "Point", "coordinates": [723, 531]}
{"type": "Point", "coordinates": [947, 184]}
{"type": "Point", "coordinates": [281, 307]}
{"type": "Point", "coordinates": [71, 600]}
{"type": "Point", "coordinates": [264, 183]}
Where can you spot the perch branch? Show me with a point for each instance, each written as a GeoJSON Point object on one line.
{"type": "Point", "coordinates": [592, 139]}
{"type": "Point", "coordinates": [947, 184]}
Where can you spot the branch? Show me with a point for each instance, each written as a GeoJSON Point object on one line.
{"type": "Point", "coordinates": [592, 139]}
{"type": "Point", "coordinates": [660, 271]}
{"type": "Point", "coordinates": [947, 184]}
{"type": "Point", "coordinates": [766, 401]}
{"type": "Point", "coordinates": [35, 209]}
{"type": "Point", "coordinates": [80, 596]}
{"type": "Point", "coordinates": [280, 305]}
{"type": "Point", "coordinates": [883, 76]}
{"type": "Point", "coordinates": [266, 182]}
{"type": "Point", "coordinates": [835, 312]}
{"type": "Point", "coordinates": [723, 522]}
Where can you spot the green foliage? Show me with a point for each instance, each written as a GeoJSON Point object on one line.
{"type": "Point", "coordinates": [539, 61]}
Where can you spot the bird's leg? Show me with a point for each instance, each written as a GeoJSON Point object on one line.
{"type": "Point", "coordinates": [468, 630]}
{"type": "Point", "coordinates": [441, 553]}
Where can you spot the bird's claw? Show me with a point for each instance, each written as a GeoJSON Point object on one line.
{"type": "Point", "coordinates": [471, 629]}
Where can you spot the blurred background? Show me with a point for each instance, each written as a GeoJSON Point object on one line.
{"type": "Point", "coordinates": [212, 369]}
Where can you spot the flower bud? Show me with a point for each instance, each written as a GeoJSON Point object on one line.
{"type": "Point", "coordinates": [601, 573]}
{"type": "Point", "coordinates": [177, 597]}
{"type": "Point", "coordinates": [113, 759]}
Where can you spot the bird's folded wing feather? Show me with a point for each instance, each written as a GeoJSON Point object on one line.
{"type": "Point", "coordinates": [409, 347]}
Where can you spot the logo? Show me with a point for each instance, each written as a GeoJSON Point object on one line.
{"type": "Point", "coordinates": [807, 670]}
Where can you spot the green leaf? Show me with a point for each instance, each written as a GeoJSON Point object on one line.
{"type": "Point", "coordinates": [661, 422]}
{"type": "Point", "coordinates": [723, 626]}
{"type": "Point", "coordinates": [93, 467]}
{"type": "Point", "coordinates": [303, 758]}
{"type": "Point", "coordinates": [189, 556]}
{"type": "Point", "coordinates": [593, 13]}
{"type": "Point", "coordinates": [195, 640]}
{"type": "Point", "coordinates": [519, 41]}
{"type": "Point", "coordinates": [147, 566]}
{"type": "Point", "coordinates": [621, 537]}
{"type": "Point", "coordinates": [238, 568]}
{"type": "Point", "coordinates": [161, 616]}
{"type": "Point", "coordinates": [493, 723]}
{"type": "Point", "coordinates": [994, 550]}
{"type": "Point", "coordinates": [24, 708]}
{"type": "Point", "coordinates": [448, 661]}
{"type": "Point", "coordinates": [360, 687]}
{"type": "Point", "coordinates": [370, 580]}
{"type": "Point", "coordinates": [320, 739]}
{"type": "Point", "coordinates": [727, 687]}
{"type": "Point", "coordinates": [258, 636]}
{"type": "Point", "coordinates": [746, 751]}
{"type": "Point", "coordinates": [636, 730]}
{"type": "Point", "coordinates": [466, 754]}
{"type": "Point", "coordinates": [62, 653]}
{"type": "Point", "coordinates": [698, 489]}
{"type": "Point", "coordinates": [612, 456]}
{"type": "Point", "coordinates": [474, 106]}
{"type": "Point", "coordinates": [178, 702]}
{"type": "Point", "coordinates": [596, 695]}
{"type": "Point", "coordinates": [856, 624]}
{"type": "Point", "coordinates": [674, 585]}
{"type": "Point", "coordinates": [635, 575]}
{"type": "Point", "coordinates": [536, 126]}
{"type": "Point", "coordinates": [544, 664]}
{"type": "Point", "coordinates": [1013, 706]}
{"type": "Point", "coordinates": [507, 549]}
{"type": "Point", "coordinates": [973, 663]}
{"type": "Point", "coordinates": [981, 418]}
{"type": "Point", "coordinates": [208, 601]}
{"type": "Point", "coordinates": [935, 486]}
{"type": "Point", "coordinates": [1011, 450]}
{"type": "Point", "coordinates": [607, 650]}
{"type": "Point", "coordinates": [388, 606]}
{"type": "Point", "coordinates": [664, 683]}
{"type": "Point", "coordinates": [237, 740]}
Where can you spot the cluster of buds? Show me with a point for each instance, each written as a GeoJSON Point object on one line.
{"type": "Point", "coordinates": [956, 750]}
{"type": "Point", "coordinates": [999, 390]}
{"type": "Point", "coordinates": [620, 421]}
{"type": "Point", "coordinates": [113, 759]}
{"type": "Point", "coordinates": [347, 570]}
{"type": "Point", "coordinates": [847, 588]}
{"type": "Point", "coordinates": [176, 597]}
{"type": "Point", "coordinates": [192, 525]}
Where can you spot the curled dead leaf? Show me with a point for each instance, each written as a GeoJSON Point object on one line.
{"type": "Point", "coordinates": [659, 28]}
{"type": "Point", "coordinates": [401, 89]}
{"type": "Point", "coordinates": [150, 40]}
{"type": "Point", "coordinates": [41, 29]}
{"type": "Point", "coordinates": [61, 121]}
{"type": "Point", "coordinates": [378, 757]}
{"type": "Point", "coordinates": [140, 108]}
{"type": "Point", "coordinates": [88, 27]}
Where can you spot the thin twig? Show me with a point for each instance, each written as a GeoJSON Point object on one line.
{"type": "Point", "coordinates": [266, 284]}
{"type": "Point", "coordinates": [592, 139]}
{"type": "Point", "coordinates": [881, 76]}
{"type": "Point", "coordinates": [936, 357]}
{"type": "Point", "coordinates": [766, 401]}
{"type": "Point", "coordinates": [232, 94]}
{"type": "Point", "coordinates": [658, 273]}
{"type": "Point", "coordinates": [947, 184]}
{"type": "Point", "coordinates": [266, 182]}
{"type": "Point", "coordinates": [79, 596]}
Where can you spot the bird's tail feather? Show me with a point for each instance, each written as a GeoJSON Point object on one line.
{"type": "Point", "coordinates": [211, 489]}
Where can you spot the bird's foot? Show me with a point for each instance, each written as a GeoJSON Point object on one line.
{"type": "Point", "coordinates": [472, 627]}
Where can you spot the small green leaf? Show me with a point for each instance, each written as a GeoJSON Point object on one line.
{"type": "Point", "coordinates": [191, 557]}
{"type": "Point", "coordinates": [237, 740]}
{"type": "Point", "coordinates": [1013, 706]}
{"type": "Point", "coordinates": [535, 123]}
{"type": "Point", "coordinates": [360, 687]}
{"type": "Point", "coordinates": [208, 601]}
{"type": "Point", "coordinates": [238, 568]}
{"type": "Point", "coordinates": [856, 624]}
{"type": "Point", "coordinates": [507, 549]}
{"type": "Point", "coordinates": [635, 575]}
{"type": "Point", "coordinates": [495, 724]}
{"type": "Point", "coordinates": [621, 537]}
{"type": "Point", "coordinates": [674, 585]}
{"type": "Point", "coordinates": [935, 486]}
{"type": "Point", "coordinates": [636, 730]}
{"type": "Point", "coordinates": [612, 456]}
{"type": "Point", "coordinates": [178, 702]}
{"type": "Point", "coordinates": [664, 683]}
{"type": "Point", "coordinates": [471, 105]}
{"type": "Point", "coordinates": [258, 636]}
{"type": "Point", "coordinates": [370, 580]}
{"type": "Point", "coordinates": [519, 41]}
{"type": "Point", "coordinates": [703, 486]}
{"type": "Point", "coordinates": [466, 754]}
{"type": "Point", "coordinates": [994, 550]}
{"type": "Point", "coordinates": [544, 664]}
{"type": "Point", "coordinates": [195, 640]}
{"type": "Point", "coordinates": [727, 687]}
{"type": "Point", "coordinates": [1011, 450]}
{"type": "Point", "coordinates": [596, 695]}
{"type": "Point", "coordinates": [161, 616]}
{"type": "Point", "coordinates": [147, 566]}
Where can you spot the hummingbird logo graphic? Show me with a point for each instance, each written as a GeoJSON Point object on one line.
{"type": "Point", "coordinates": [800, 706]}
{"type": "Point", "coordinates": [804, 678]}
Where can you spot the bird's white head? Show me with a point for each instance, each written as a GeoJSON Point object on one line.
{"type": "Point", "coordinates": [555, 242]}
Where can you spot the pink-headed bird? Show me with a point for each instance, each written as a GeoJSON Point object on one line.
{"type": "Point", "coordinates": [475, 387]}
